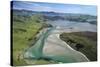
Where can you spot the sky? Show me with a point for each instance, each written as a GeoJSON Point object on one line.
{"type": "Point", "coordinates": [55, 7]}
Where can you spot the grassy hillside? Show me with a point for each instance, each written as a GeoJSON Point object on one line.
{"type": "Point", "coordinates": [25, 29]}
{"type": "Point", "coordinates": [85, 42]}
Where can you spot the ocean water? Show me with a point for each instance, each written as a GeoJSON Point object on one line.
{"type": "Point", "coordinates": [83, 26]}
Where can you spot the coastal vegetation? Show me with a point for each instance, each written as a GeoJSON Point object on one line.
{"type": "Point", "coordinates": [85, 42]}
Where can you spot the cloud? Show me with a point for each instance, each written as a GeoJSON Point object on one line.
{"type": "Point", "coordinates": [43, 8]}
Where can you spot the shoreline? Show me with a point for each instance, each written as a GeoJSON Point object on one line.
{"type": "Point", "coordinates": [72, 48]}
{"type": "Point", "coordinates": [54, 43]}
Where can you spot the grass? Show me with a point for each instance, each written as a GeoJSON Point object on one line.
{"type": "Point", "coordinates": [88, 40]}
{"type": "Point", "coordinates": [23, 34]}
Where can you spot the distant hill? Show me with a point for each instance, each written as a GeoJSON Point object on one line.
{"type": "Point", "coordinates": [58, 16]}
